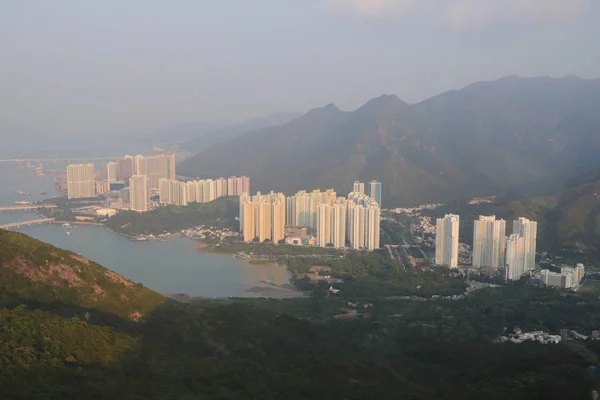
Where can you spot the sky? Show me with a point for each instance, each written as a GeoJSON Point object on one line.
{"type": "Point", "coordinates": [115, 67]}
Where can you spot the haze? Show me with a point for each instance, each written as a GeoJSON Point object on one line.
{"type": "Point", "coordinates": [115, 67]}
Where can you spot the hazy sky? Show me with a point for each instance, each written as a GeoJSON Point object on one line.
{"type": "Point", "coordinates": [116, 66]}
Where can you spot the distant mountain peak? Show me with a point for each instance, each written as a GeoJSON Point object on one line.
{"type": "Point", "coordinates": [386, 101]}
{"type": "Point", "coordinates": [329, 109]}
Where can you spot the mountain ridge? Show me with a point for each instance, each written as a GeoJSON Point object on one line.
{"type": "Point", "coordinates": [489, 138]}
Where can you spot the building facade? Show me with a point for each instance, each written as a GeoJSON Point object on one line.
{"type": "Point", "coordinates": [489, 242]}
{"type": "Point", "coordinates": [80, 181]}
{"type": "Point", "coordinates": [515, 257]}
{"type": "Point", "coordinates": [528, 231]}
{"type": "Point", "coordinates": [138, 193]}
{"type": "Point", "coordinates": [446, 241]}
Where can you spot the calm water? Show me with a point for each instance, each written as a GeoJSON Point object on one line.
{"type": "Point", "coordinates": [174, 266]}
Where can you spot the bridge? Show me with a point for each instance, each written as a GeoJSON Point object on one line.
{"type": "Point", "coordinates": [26, 207]}
{"type": "Point", "coordinates": [46, 159]}
{"type": "Point", "coordinates": [28, 223]}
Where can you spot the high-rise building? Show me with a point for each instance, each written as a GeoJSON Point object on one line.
{"type": "Point", "coordinates": [528, 231]}
{"type": "Point", "coordinates": [173, 192]}
{"type": "Point", "coordinates": [245, 185]}
{"type": "Point", "coordinates": [155, 167]}
{"type": "Point", "coordinates": [125, 168]}
{"type": "Point", "coordinates": [324, 223]}
{"type": "Point", "coordinates": [138, 193]}
{"type": "Point", "coordinates": [263, 217]}
{"type": "Point", "coordinates": [80, 181]}
{"type": "Point", "coordinates": [489, 242]}
{"type": "Point", "coordinates": [446, 241]}
{"type": "Point", "coordinates": [358, 187]}
{"type": "Point", "coordinates": [111, 172]}
{"type": "Point", "coordinates": [375, 191]}
{"type": "Point", "coordinates": [515, 253]}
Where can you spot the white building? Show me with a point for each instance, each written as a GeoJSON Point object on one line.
{"type": "Point", "coordinates": [515, 253]}
{"type": "Point", "coordinates": [489, 242]}
{"type": "Point", "coordinates": [528, 231]}
{"type": "Point", "coordinates": [446, 241]}
{"type": "Point", "coordinates": [80, 181]}
{"type": "Point", "coordinates": [173, 192]}
{"type": "Point", "coordinates": [560, 280]}
{"type": "Point", "coordinates": [138, 193]}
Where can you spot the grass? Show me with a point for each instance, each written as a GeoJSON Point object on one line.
{"type": "Point", "coordinates": [590, 287]}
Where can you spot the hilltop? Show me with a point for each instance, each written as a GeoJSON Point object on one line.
{"type": "Point", "coordinates": [513, 136]}
{"type": "Point", "coordinates": [33, 272]}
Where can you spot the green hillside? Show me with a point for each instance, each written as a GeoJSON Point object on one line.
{"type": "Point", "coordinates": [221, 213]}
{"type": "Point", "coordinates": [270, 349]}
{"type": "Point", "coordinates": [33, 272]}
{"type": "Point", "coordinates": [514, 136]}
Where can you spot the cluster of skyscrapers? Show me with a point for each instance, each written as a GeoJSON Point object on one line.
{"type": "Point", "coordinates": [491, 247]}
{"type": "Point", "coordinates": [336, 221]}
{"type": "Point", "coordinates": [179, 193]}
{"type": "Point", "coordinates": [83, 183]}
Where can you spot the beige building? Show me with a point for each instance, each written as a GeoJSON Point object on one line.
{"type": "Point", "coordinates": [80, 181]}
{"type": "Point", "coordinates": [263, 217]}
{"type": "Point", "coordinates": [138, 193]}
{"type": "Point", "coordinates": [173, 192]}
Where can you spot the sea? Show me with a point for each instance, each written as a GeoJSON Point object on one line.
{"type": "Point", "coordinates": [176, 266]}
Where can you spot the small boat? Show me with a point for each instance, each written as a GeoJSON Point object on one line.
{"type": "Point", "coordinates": [22, 193]}
{"type": "Point", "coordinates": [23, 203]}
{"type": "Point", "coordinates": [44, 193]}
{"type": "Point", "coordinates": [67, 233]}
{"type": "Point", "coordinates": [66, 224]}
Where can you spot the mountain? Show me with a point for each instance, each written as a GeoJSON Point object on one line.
{"type": "Point", "coordinates": [33, 272]}
{"type": "Point", "coordinates": [513, 136]}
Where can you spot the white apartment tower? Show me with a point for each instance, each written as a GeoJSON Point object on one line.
{"type": "Point", "coordinates": [80, 181]}
{"type": "Point", "coordinates": [515, 251]}
{"type": "Point", "coordinates": [446, 241]}
{"type": "Point", "coordinates": [138, 193]}
{"type": "Point", "coordinates": [528, 231]}
{"type": "Point", "coordinates": [489, 242]}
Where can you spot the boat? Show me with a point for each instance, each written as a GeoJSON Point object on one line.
{"type": "Point", "coordinates": [23, 203]}
{"type": "Point", "coordinates": [67, 233]}
{"type": "Point", "coordinates": [66, 224]}
{"type": "Point", "coordinates": [44, 193]}
{"type": "Point", "coordinates": [138, 239]}
{"type": "Point", "coordinates": [22, 193]}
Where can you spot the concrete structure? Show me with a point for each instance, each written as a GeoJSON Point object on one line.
{"type": "Point", "coordinates": [489, 242]}
{"type": "Point", "coordinates": [375, 191]}
{"type": "Point", "coordinates": [446, 241]}
{"type": "Point", "coordinates": [125, 168]}
{"type": "Point", "coordinates": [560, 280]}
{"type": "Point", "coordinates": [138, 193]}
{"type": "Point", "coordinates": [173, 192]}
{"type": "Point", "coordinates": [358, 187]}
{"type": "Point", "coordinates": [80, 181]}
{"type": "Point", "coordinates": [106, 212]}
{"type": "Point", "coordinates": [111, 173]}
{"type": "Point", "coordinates": [515, 253]}
{"type": "Point", "coordinates": [528, 231]}
{"type": "Point", "coordinates": [262, 217]}
{"type": "Point", "coordinates": [155, 167]}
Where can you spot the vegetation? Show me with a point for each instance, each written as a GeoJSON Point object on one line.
{"type": "Point", "coordinates": [292, 349]}
{"type": "Point", "coordinates": [35, 272]}
{"type": "Point", "coordinates": [218, 213]}
{"type": "Point", "coordinates": [271, 250]}
{"type": "Point", "coordinates": [491, 138]}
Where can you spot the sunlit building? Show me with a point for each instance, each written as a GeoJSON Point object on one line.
{"type": "Point", "coordinates": [528, 231]}
{"type": "Point", "coordinates": [446, 241]}
{"type": "Point", "coordinates": [515, 253]}
{"type": "Point", "coordinates": [173, 192]}
{"type": "Point", "coordinates": [262, 217]}
{"type": "Point", "coordinates": [489, 240]}
{"type": "Point", "coordinates": [375, 191]}
{"type": "Point", "coordinates": [138, 193]}
{"type": "Point", "coordinates": [80, 181]}
{"type": "Point", "coordinates": [155, 167]}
